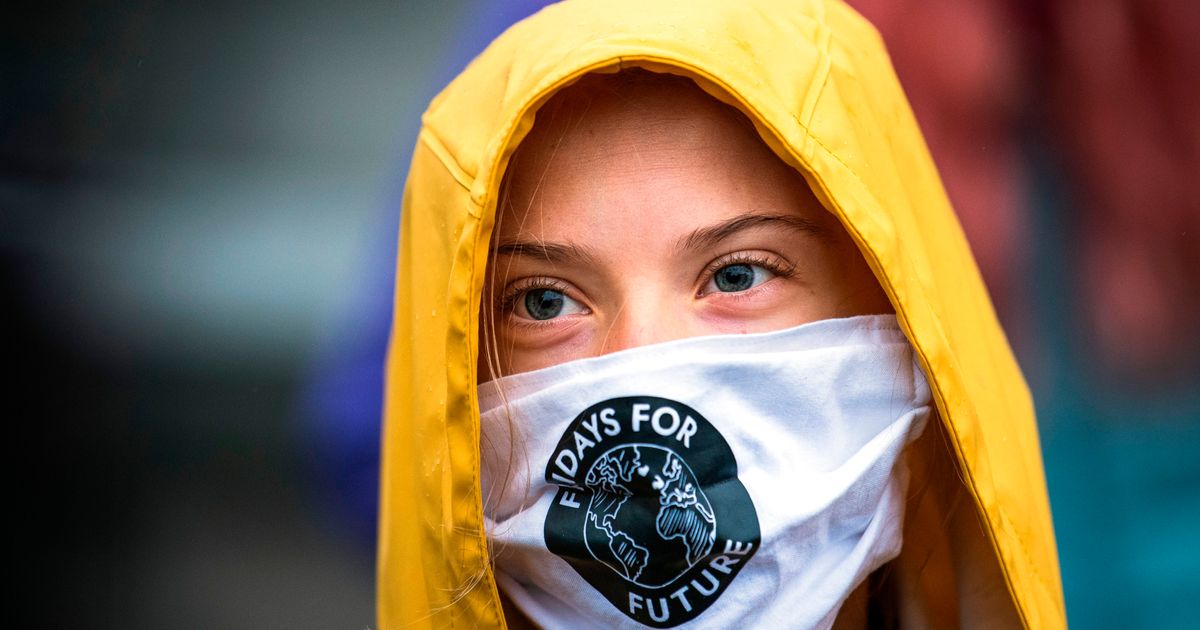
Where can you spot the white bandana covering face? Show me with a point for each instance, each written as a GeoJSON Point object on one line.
{"type": "Point", "coordinates": [726, 481]}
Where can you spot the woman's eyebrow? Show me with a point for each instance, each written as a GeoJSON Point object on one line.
{"type": "Point", "coordinates": [554, 253]}
{"type": "Point", "coordinates": [706, 237]}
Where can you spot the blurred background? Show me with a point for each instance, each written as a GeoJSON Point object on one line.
{"type": "Point", "coordinates": [198, 208]}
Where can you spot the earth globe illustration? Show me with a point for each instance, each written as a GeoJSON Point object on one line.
{"type": "Point", "coordinates": [648, 518]}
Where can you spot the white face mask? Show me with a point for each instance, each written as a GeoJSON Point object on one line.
{"type": "Point", "coordinates": [737, 480]}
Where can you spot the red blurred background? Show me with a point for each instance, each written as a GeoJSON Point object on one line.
{"type": "Point", "coordinates": [1111, 87]}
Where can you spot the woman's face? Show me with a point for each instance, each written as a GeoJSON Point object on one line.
{"type": "Point", "coordinates": [654, 214]}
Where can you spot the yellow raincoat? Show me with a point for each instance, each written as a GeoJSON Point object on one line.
{"type": "Point", "coordinates": [816, 80]}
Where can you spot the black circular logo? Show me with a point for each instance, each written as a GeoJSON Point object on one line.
{"type": "Point", "coordinates": [649, 509]}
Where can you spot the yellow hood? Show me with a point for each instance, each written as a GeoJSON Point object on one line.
{"type": "Point", "coordinates": [815, 78]}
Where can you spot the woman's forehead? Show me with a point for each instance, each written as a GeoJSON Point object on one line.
{"type": "Point", "coordinates": [653, 153]}
{"type": "Point", "coordinates": [606, 115]}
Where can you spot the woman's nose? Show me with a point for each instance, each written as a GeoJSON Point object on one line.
{"type": "Point", "coordinates": [642, 324]}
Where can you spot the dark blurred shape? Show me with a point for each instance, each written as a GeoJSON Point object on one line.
{"type": "Point", "coordinates": [71, 464]}
{"type": "Point", "coordinates": [184, 191]}
{"type": "Point", "coordinates": [72, 451]}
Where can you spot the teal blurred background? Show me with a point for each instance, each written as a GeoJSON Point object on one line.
{"type": "Point", "coordinates": [198, 208]}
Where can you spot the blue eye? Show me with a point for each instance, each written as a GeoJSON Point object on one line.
{"type": "Point", "coordinates": [734, 278]}
{"type": "Point", "coordinates": [742, 271]}
{"type": "Point", "coordinates": [544, 304]}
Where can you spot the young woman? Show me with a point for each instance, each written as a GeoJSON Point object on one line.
{"type": "Point", "coordinates": [666, 239]}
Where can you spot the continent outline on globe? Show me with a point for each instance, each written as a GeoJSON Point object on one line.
{"type": "Point", "coordinates": [684, 511]}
